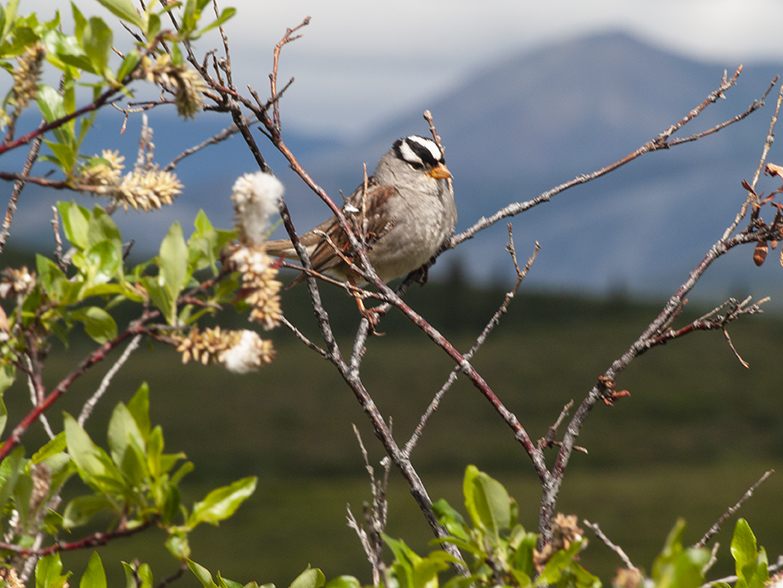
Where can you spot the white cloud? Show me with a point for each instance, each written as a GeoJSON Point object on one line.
{"type": "Point", "coordinates": [360, 62]}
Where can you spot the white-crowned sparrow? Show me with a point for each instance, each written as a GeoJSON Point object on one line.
{"type": "Point", "coordinates": [404, 217]}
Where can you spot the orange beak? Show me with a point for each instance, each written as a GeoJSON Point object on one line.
{"type": "Point", "coordinates": [440, 172]}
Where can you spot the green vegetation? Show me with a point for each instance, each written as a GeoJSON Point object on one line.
{"type": "Point", "coordinates": [696, 432]}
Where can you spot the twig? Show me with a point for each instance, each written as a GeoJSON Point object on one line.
{"type": "Point", "coordinates": [58, 242]}
{"type": "Point", "coordinates": [287, 38]}
{"type": "Point", "coordinates": [436, 138]}
{"type": "Point", "coordinates": [93, 400]}
{"type": "Point", "coordinates": [224, 37]}
{"type": "Point", "coordinates": [34, 396]}
{"type": "Point", "coordinates": [493, 322]}
{"type": "Point", "coordinates": [716, 527]}
{"type": "Point", "coordinates": [598, 392]}
{"type": "Point", "coordinates": [764, 152]}
{"type": "Point", "coordinates": [730, 579]}
{"type": "Point", "coordinates": [712, 321]}
{"type": "Point", "coordinates": [173, 577]}
{"type": "Point", "coordinates": [299, 335]}
{"type": "Point", "coordinates": [101, 101]}
{"type": "Point", "coordinates": [95, 540]}
{"type": "Point", "coordinates": [214, 140]}
{"type": "Point", "coordinates": [32, 156]}
{"type": "Point", "coordinates": [616, 548]}
{"type": "Point", "coordinates": [93, 358]}
{"type": "Point", "coordinates": [549, 439]}
{"type": "Point", "coordinates": [658, 143]}
{"type": "Point", "coordinates": [375, 515]}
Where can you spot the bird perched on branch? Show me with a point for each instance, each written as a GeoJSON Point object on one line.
{"type": "Point", "coordinates": [403, 214]}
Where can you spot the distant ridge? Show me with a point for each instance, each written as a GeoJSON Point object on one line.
{"type": "Point", "coordinates": [513, 129]}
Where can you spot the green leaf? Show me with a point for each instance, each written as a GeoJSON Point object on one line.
{"type": "Point", "coordinates": [7, 377]}
{"type": "Point", "coordinates": [96, 40]}
{"type": "Point", "coordinates": [64, 155]}
{"type": "Point", "coordinates": [123, 9]}
{"type": "Point", "coordinates": [98, 323]}
{"type": "Point", "coordinates": [132, 572]}
{"type": "Point", "coordinates": [50, 101]}
{"type": "Point", "coordinates": [425, 572]}
{"type": "Point", "coordinates": [159, 296]}
{"type": "Point", "coordinates": [52, 277]}
{"type": "Point", "coordinates": [171, 505]}
{"type": "Point", "coordinates": [4, 370]}
{"type": "Point", "coordinates": [310, 578]}
{"type": "Point", "coordinates": [343, 582]}
{"type": "Point", "coordinates": [9, 17]}
{"type": "Point", "coordinates": [53, 447]}
{"type": "Point", "coordinates": [221, 503]}
{"type": "Point", "coordinates": [750, 561]}
{"type": "Point", "coordinates": [68, 50]}
{"type": "Point", "coordinates": [155, 453]}
{"type": "Point", "coordinates": [676, 566]}
{"type": "Point", "coordinates": [80, 510]}
{"type": "Point", "coordinates": [104, 260]}
{"type": "Point", "coordinates": [173, 260]}
{"type": "Point", "coordinates": [47, 572]}
{"type": "Point", "coordinates": [132, 59]}
{"type": "Point", "coordinates": [75, 223]}
{"type": "Point", "coordinates": [487, 501]}
{"type": "Point", "coordinates": [743, 546]}
{"type": "Point", "coordinates": [10, 468]}
{"type": "Point", "coordinates": [23, 492]}
{"type": "Point", "coordinates": [102, 228]}
{"type": "Point", "coordinates": [225, 15]}
{"type": "Point", "coordinates": [226, 583]}
{"type": "Point", "coordinates": [79, 22]}
{"type": "Point", "coordinates": [202, 574]}
{"type": "Point", "coordinates": [126, 444]}
{"type": "Point", "coordinates": [451, 519]}
{"type": "Point", "coordinates": [139, 407]}
{"type": "Point", "coordinates": [523, 556]}
{"type": "Point", "coordinates": [177, 544]}
{"type": "Point", "coordinates": [90, 459]}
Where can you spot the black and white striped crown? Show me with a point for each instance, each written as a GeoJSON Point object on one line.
{"type": "Point", "coordinates": [418, 152]}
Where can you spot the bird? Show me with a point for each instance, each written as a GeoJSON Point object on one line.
{"type": "Point", "coordinates": [404, 215]}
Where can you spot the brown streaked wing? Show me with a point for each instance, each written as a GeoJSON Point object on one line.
{"type": "Point", "coordinates": [324, 256]}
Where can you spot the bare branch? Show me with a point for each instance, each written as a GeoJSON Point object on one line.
{"type": "Point", "coordinates": [716, 527]}
{"type": "Point", "coordinates": [94, 540]}
{"type": "Point", "coordinates": [616, 548]}
{"type": "Point", "coordinates": [656, 144]}
{"type": "Point", "coordinates": [96, 356]}
{"type": "Point", "coordinates": [493, 322]}
{"type": "Point", "coordinates": [764, 152]}
{"type": "Point", "coordinates": [93, 400]}
{"type": "Point", "coordinates": [32, 156]}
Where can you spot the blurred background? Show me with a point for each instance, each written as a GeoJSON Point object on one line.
{"type": "Point", "coordinates": [525, 96]}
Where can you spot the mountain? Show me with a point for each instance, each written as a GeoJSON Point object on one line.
{"type": "Point", "coordinates": [518, 127]}
{"type": "Point", "coordinates": [523, 126]}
